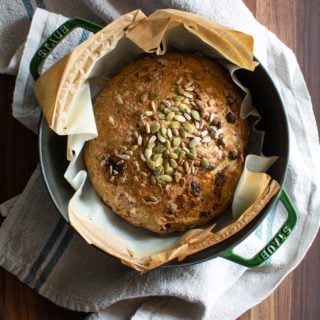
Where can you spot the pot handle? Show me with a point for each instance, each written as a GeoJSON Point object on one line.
{"type": "Point", "coordinates": [275, 243]}
{"type": "Point", "coordinates": [55, 38]}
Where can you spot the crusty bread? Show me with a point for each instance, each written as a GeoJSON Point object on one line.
{"type": "Point", "coordinates": [171, 143]}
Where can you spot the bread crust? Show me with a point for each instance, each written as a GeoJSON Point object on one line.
{"type": "Point", "coordinates": [132, 166]}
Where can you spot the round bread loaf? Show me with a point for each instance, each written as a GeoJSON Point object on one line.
{"type": "Point", "coordinates": [171, 143]}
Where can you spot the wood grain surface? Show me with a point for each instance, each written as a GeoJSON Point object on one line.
{"type": "Point", "coordinates": [296, 23]}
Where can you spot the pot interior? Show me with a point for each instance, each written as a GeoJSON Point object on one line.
{"type": "Point", "coordinates": [52, 149]}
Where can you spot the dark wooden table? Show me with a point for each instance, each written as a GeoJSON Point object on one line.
{"type": "Point", "coordinates": [297, 24]}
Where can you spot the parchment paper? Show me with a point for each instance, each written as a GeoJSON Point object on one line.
{"type": "Point", "coordinates": [64, 94]}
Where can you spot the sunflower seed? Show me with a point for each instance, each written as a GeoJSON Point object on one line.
{"type": "Point", "coordinates": [110, 170]}
{"type": "Point", "coordinates": [177, 176]}
{"type": "Point", "coordinates": [152, 139]}
{"type": "Point", "coordinates": [111, 121]}
{"type": "Point", "coordinates": [142, 157]}
{"type": "Point", "coordinates": [186, 166]}
{"type": "Point", "coordinates": [180, 169]}
{"type": "Point", "coordinates": [204, 133]}
{"type": "Point", "coordinates": [153, 106]}
{"type": "Point", "coordinates": [144, 97]}
{"type": "Point", "coordinates": [147, 127]}
{"type": "Point", "coordinates": [194, 142]}
{"type": "Point", "coordinates": [188, 95]}
{"type": "Point", "coordinates": [153, 180]}
{"type": "Point", "coordinates": [119, 99]}
{"type": "Point", "coordinates": [175, 132]}
{"type": "Point", "coordinates": [128, 152]}
{"type": "Point", "coordinates": [206, 139]}
{"type": "Point", "coordinates": [190, 89]}
{"type": "Point", "coordinates": [140, 140]}
{"type": "Point", "coordinates": [124, 156]}
{"type": "Point", "coordinates": [211, 117]}
{"type": "Point", "coordinates": [144, 174]}
{"type": "Point", "coordinates": [187, 116]}
{"type": "Point", "coordinates": [166, 103]}
{"type": "Point", "coordinates": [178, 82]}
{"type": "Point", "coordinates": [136, 164]}
{"type": "Point", "coordinates": [135, 178]}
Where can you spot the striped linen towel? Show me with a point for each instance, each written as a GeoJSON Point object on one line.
{"type": "Point", "coordinates": [43, 251]}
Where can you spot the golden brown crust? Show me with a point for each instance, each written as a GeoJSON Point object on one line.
{"type": "Point", "coordinates": [182, 177]}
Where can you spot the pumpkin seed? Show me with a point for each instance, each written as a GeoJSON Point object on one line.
{"type": "Point", "coordinates": [183, 133]}
{"type": "Point", "coordinates": [167, 168]}
{"type": "Point", "coordinates": [174, 125]}
{"type": "Point", "coordinates": [169, 133]}
{"type": "Point", "coordinates": [188, 127]}
{"type": "Point", "coordinates": [182, 107]}
{"type": "Point", "coordinates": [191, 156]}
{"type": "Point", "coordinates": [158, 162]}
{"type": "Point", "coordinates": [161, 116]}
{"type": "Point", "coordinates": [148, 153]}
{"type": "Point", "coordinates": [166, 103]}
{"type": "Point", "coordinates": [161, 138]}
{"type": "Point", "coordinates": [178, 98]}
{"type": "Point", "coordinates": [154, 128]}
{"type": "Point", "coordinates": [159, 148]}
{"type": "Point", "coordinates": [163, 132]}
{"type": "Point", "coordinates": [151, 145]}
{"type": "Point", "coordinates": [173, 155]}
{"type": "Point", "coordinates": [170, 116]}
{"type": "Point", "coordinates": [151, 165]}
{"type": "Point", "coordinates": [195, 115]}
{"type": "Point", "coordinates": [173, 163]}
{"type": "Point", "coordinates": [205, 163]}
{"type": "Point", "coordinates": [154, 96]}
{"type": "Point", "coordinates": [176, 142]}
{"type": "Point", "coordinates": [180, 118]}
{"type": "Point", "coordinates": [158, 170]}
{"type": "Point", "coordinates": [168, 144]}
{"type": "Point", "coordinates": [164, 178]}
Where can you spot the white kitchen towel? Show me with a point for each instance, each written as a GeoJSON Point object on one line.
{"type": "Point", "coordinates": [40, 248]}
